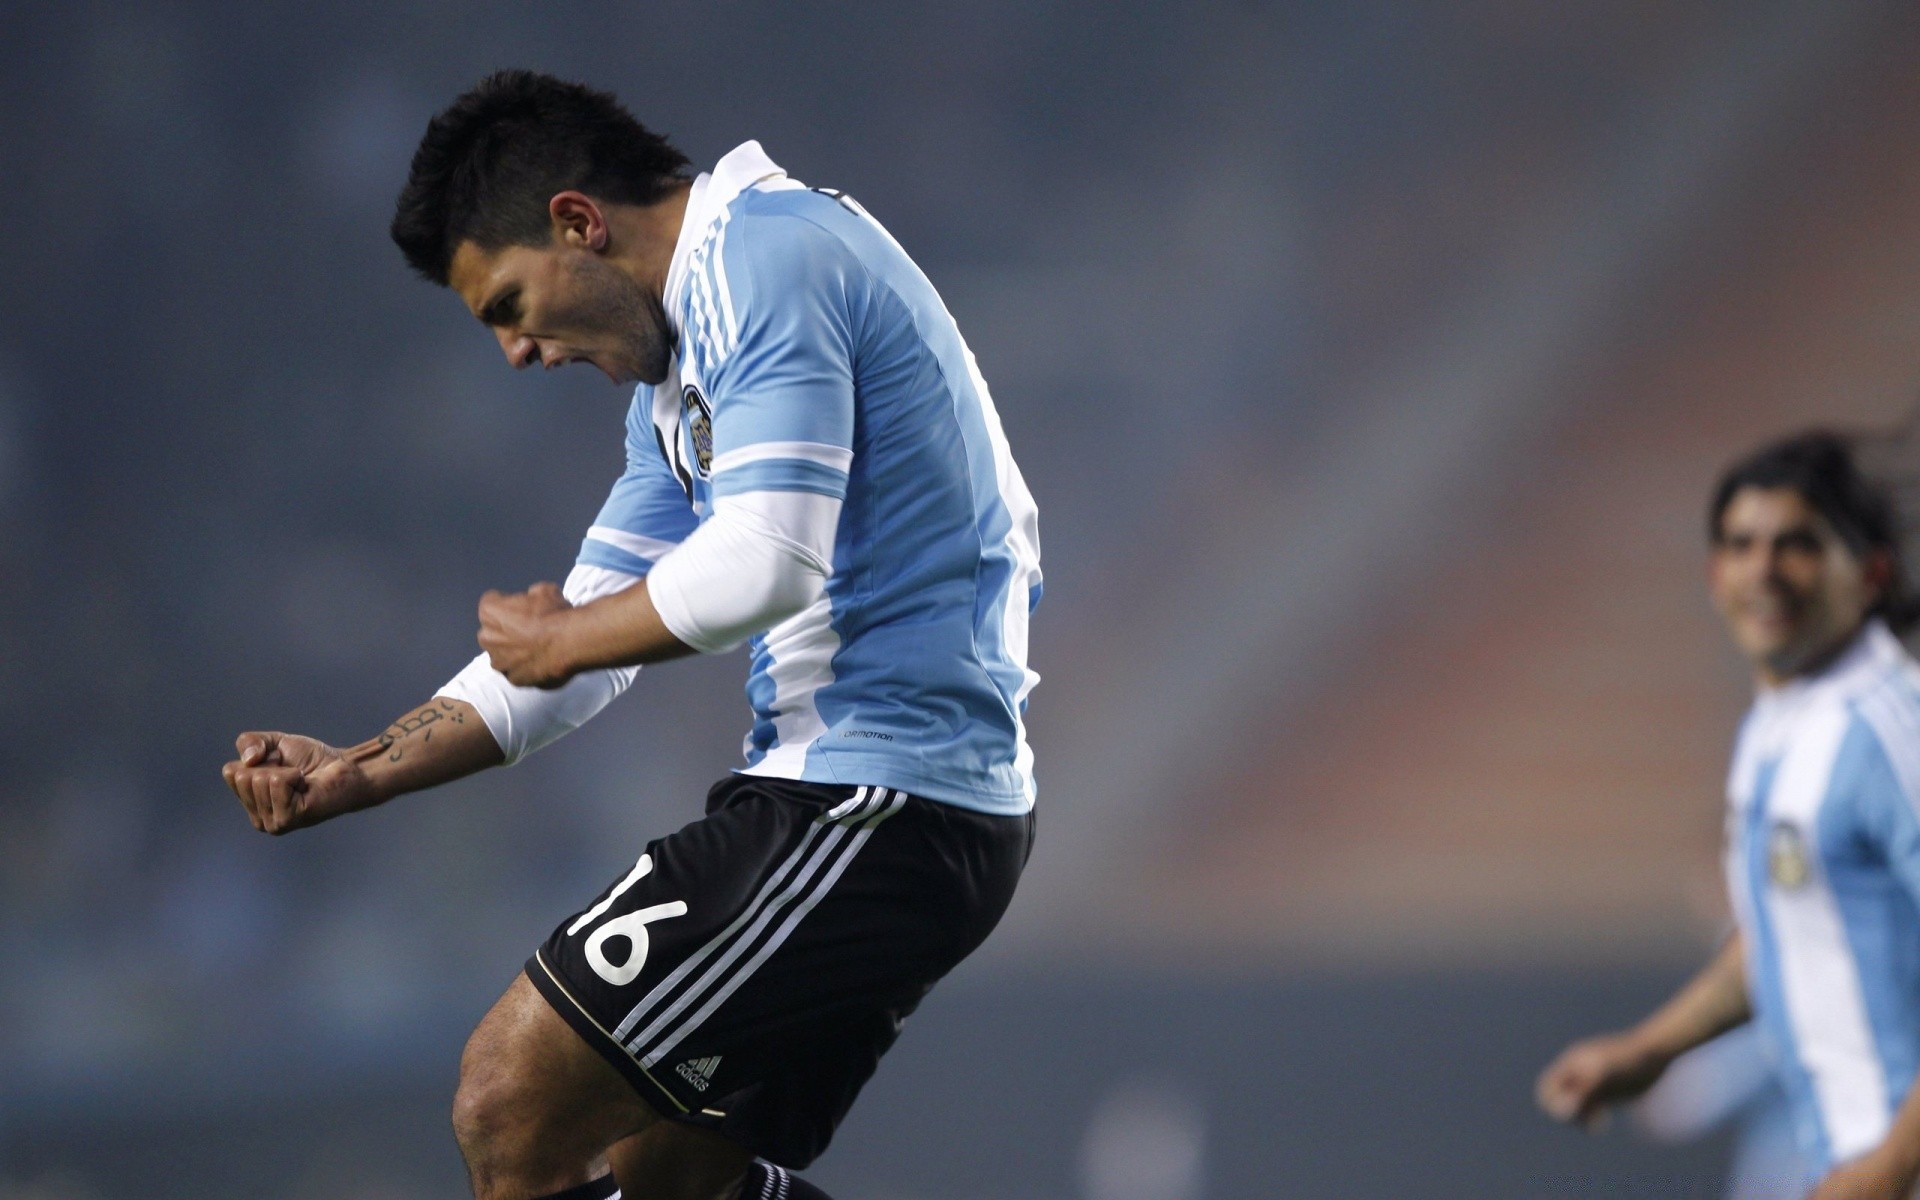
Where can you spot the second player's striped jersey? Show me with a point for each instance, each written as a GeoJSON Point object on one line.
{"type": "Point", "coordinates": [814, 359]}
{"type": "Point", "coordinates": [1823, 864]}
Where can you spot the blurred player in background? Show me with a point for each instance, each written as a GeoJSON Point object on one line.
{"type": "Point", "coordinates": [1823, 829]}
{"type": "Point", "coordinates": [814, 467]}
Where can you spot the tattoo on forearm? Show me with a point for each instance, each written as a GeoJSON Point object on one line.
{"type": "Point", "coordinates": [422, 723]}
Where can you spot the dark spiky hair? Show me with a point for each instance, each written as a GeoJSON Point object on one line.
{"type": "Point", "coordinates": [489, 164]}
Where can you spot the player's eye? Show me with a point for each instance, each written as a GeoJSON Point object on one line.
{"type": "Point", "coordinates": [505, 310]}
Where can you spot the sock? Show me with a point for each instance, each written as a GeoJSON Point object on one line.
{"type": "Point", "coordinates": [603, 1188]}
{"type": "Point", "coordinates": [765, 1181]}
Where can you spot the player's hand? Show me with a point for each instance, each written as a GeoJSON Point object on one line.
{"type": "Point", "coordinates": [288, 782]}
{"type": "Point", "coordinates": [1875, 1175]}
{"type": "Point", "coordinates": [519, 634]}
{"type": "Point", "coordinates": [1593, 1075]}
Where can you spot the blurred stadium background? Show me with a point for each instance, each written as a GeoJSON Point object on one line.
{"type": "Point", "coordinates": [1370, 363]}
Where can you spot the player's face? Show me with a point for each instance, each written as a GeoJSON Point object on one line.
{"type": "Point", "coordinates": [1790, 590]}
{"type": "Point", "coordinates": [562, 303]}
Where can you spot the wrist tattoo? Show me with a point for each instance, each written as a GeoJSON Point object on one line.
{"type": "Point", "coordinates": [422, 723]}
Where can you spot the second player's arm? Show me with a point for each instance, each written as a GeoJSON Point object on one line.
{"type": "Point", "coordinates": [1593, 1074]}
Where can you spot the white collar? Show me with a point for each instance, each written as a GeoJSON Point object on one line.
{"type": "Point", "coordinates": [1869, 658]}
{"type": "Point", "coordinates": [738, 170]}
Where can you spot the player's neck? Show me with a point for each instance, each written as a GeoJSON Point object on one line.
{"type": "Point", "coordinates": [644, 237]}
{"type": "Point", "coordinates": [1769, 678]}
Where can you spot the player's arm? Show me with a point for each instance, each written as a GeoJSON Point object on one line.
{"type": "Point", "coordinates": [759, 560]}
{"type": "Point", "coordinates": [286, 781]}
{"type": "Point", "coordinates": [537, 639]}
{"type": "Point", "coordinates": [531, 686]}
{"type": "Point", "coordinates": [783, 406]}
{"type": "Point", "coordinates": [1592, 1075]}
{"type": "Point", "coordinates": [479, 718]}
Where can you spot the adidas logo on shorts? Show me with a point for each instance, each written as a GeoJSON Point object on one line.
{"type": "Point", "coordinates": [699, 1071]}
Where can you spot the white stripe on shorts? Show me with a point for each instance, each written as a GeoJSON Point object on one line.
{"type": "Point", "coordinates": [869, 820]}
{"type": "Point", "coordinates": [831, 824]}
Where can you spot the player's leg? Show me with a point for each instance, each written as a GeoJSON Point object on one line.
{"type": "Point", "coordinates": [537, 1111]}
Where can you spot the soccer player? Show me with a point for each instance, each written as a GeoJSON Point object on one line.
{"type": "Point", "coordinates": [1823, 843]}
{"type": "Point", "coordinates": [814, 468]}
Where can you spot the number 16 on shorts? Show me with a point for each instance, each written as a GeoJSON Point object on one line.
{"type": "Point", "coordinates": [632, 926]}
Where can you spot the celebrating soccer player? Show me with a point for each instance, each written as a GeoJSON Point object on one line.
{"type": "Point", "coordinates": [815, 468]}
{"type": "Point", "coordinates": [1823, 842]}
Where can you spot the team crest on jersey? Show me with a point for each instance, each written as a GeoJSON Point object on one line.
{"type": "Point", "coordinates": [699, 418]}
{"type": "Point", "coordinates": [1788, 863]}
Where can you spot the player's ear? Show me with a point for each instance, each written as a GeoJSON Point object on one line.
{"type": "Point", "coordinates": [1878, 571]}
{"type": "Point", "coordinates": [577, 220]}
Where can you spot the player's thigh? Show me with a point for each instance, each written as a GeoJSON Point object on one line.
{"type": "Point", "coordinates": [527, 1076]}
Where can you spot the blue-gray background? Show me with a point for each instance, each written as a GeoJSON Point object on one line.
{"type": "Point", "coordinates": [1369, 363]}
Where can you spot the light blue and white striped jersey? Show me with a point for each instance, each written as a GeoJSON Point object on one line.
{"type": "Point", "coordinates": [814, 357]}
{"type": "Point", "coordinates": [1823, 864]}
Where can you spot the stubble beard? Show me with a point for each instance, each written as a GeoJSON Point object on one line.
{"type": "Point", "coordinates": [652, 354]}
{"type": "Point", "coordinates": [631, 315]}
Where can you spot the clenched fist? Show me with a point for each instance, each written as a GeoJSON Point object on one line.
{"type": "Point", "coordinates": [520, 634]}
{"type": "Point", "coordinates": [1592, 1075]}
{"type": "Point", "coordinates": [288, 782]}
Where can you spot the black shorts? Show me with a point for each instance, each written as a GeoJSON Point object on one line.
{"type": "Point", "coordinates": [750, 970]}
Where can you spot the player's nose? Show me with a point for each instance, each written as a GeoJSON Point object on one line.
{"type": "Point", "coordinates": [1771, 567]}
{"type": "Point", "coordinates": [520, 350]}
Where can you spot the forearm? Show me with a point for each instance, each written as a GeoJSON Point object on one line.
{"type": "Point", "coordinates": [737, 576]}
{"type": "Point", "coordinates": [620, 630]}
{"type": "Point", "coordinates": [288, 781]}
{"type": "Point", "coordinates": [438, 742]}
{"type": "Point", "coordinates": [1713, 1002]}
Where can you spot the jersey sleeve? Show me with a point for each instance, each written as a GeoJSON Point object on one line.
{"type": "Point", "coordinates": [1877, 776]}
{"type": "Point", "coordinates": [647, 513]}
{"type": "Point", "coordinates": [781, 379]}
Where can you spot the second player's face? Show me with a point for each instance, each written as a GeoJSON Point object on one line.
{"type": "Point", "coordinates": [558, 304]}
{"type": "Point", "coordinates": [1791, 592]}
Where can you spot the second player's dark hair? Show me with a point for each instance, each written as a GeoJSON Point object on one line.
{"type": "Point", "coordinates": [489, 164]}
{"type": "Point", "coordinates": [1822, 467]}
